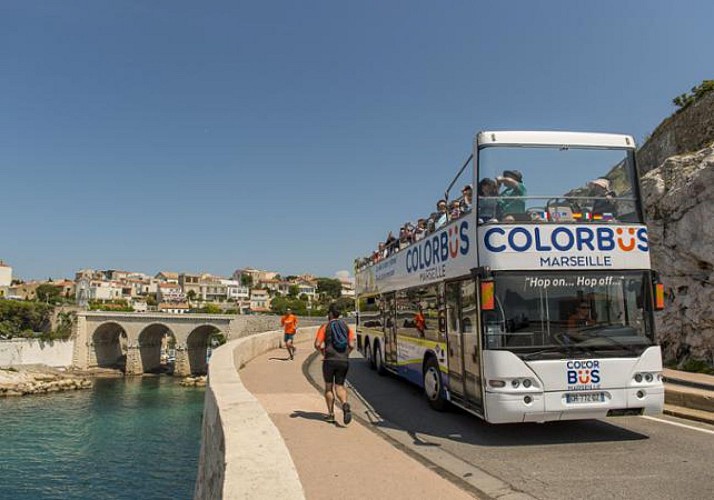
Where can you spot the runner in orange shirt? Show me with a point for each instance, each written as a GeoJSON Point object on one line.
{"type": "Point", "coordinates": [335, 340]}
{"type": "Point", "coordinates": [289, 322]}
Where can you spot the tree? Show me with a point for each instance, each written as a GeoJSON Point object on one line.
{"type": "Point", "coordinates": [47, 293]}
{"type": "Point", "coordinates": [345, 305]}
{"type": "Point", "coordinates": [329, 287]}
{"type": "Point", "coordinates": [280, 304]}
{"type": "Point", "coordinates": [293, 291]}
{"type": "Point", "coordinates": [246, 280]}
{"type": "Point", "coordinates": [684, 100]}
{"type": "Point", "coordinates": [211, 309]}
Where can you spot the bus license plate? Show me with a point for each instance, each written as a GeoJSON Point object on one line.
{"type": "Point", "coordinates": [585, 397]}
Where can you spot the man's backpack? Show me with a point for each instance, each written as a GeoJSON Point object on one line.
{"type": "Point", "coordinates": [337, 335]}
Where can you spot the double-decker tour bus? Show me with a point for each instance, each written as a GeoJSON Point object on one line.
{"type": "Point", "coordinates": [535, 302]}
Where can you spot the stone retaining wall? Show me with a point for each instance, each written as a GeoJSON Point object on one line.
{"type": "Point", "coordinates": [18, 352]}
{"type": "Point", "coordinates": [689, 130]}
{"type": "Point", "coordinates": [243, 455]}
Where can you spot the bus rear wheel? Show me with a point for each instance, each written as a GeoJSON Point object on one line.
{"type": "Point", "coordinates": [379, 360]}
{"type": "Point", "coordinates": [433, 385]}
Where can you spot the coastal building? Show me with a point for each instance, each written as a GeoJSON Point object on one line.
{"type": "Point", "coordinates": [174, 307]}
{"type": "Point", "coordinates": [105, 290]}
{"type": "Point", "coordinates": [5, 275]}
{"type": "Point", "coordinates": [170, 292]}
{"type": "Point", "coordinates": [190, 283]}
{"type": "Point", "coordinates": [259, 300]}
{"type": "Point", "coordinates": [167, 277]}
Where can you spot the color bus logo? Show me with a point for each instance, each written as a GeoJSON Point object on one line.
{"type": "Point", "coordinates": [566, 239]}
{"type": "Point", "coordinates": [439, 248]}
{"type": "Point", "coordinates": [583, 372]}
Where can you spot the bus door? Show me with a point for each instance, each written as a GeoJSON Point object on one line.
{"type": "Point", "coordinates": [471, 342]}
{"type": "Point", "coordinates": [464, 346]}
{"type": "Point", "coordinates": [453, 340]}
{"type": "Point", "coordinates": [390, 330]}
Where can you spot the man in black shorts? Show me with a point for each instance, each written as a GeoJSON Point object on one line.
{"type": "Point", "coordinates": [335, 340]}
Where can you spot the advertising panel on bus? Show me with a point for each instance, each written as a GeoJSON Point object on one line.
{"type": "Point", "coordinates": [564, 247]}
{"type": "Point", "coordinates": [446, 253]}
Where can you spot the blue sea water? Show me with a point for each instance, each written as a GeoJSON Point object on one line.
{"type": "Point", "coordinates": [134, 438]}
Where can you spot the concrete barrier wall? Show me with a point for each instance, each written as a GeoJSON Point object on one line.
{"type": "Point", "coordinates": [243, 326]}
{"type": "Point", "coordinates": [243, 455]}
{"type": "Point", "coordinates": [18, 352]}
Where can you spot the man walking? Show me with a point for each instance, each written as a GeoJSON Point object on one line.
{"type": "Point", "coordinates": [289, 322]}
{"type": "Point", "coordinates": [335, 340]}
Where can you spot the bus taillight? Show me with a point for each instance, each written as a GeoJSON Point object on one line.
{"type": "Point", "coordinates": [659, 296]}
{"type": "Point", "coordinates": [488, 301]}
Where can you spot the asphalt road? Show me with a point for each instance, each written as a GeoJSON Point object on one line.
{"type": "Point", "coordinates": [625, 457]}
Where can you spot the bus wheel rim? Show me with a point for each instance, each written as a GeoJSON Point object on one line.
{"type": "Point", "coordinates": [431, 384]}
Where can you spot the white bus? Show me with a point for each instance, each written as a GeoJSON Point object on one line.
{"type": "Point", "coordinates": [538, 303]}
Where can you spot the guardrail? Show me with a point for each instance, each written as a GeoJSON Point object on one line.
{"type": "Point", "coordinates": [243, 455]}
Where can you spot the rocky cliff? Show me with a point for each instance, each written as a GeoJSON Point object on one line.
{"type": "Point", "coordinates": [678, 196]}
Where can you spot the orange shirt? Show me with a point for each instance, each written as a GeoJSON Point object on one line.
{"type": "Point", "coordinates": [420, 321]}
{"type": "Point", "coordinates": [320, 337]}
{"type": "Point", "coordinates": [289, 322]}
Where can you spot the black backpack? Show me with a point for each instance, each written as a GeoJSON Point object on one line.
{"type": "Point", "coordinates": [337, 334]}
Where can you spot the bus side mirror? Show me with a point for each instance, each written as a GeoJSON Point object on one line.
{"type": "Point", "coordinates": [488, 297]}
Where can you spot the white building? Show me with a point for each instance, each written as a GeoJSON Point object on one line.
{"type": "Point", "coordinates": [5, 274]}
{"type": "Point", "coordinates": [259, 300]}
{"type": "Point", "coordinates": [104, 290]}
{"type": "Point", "coordinates": [234, 290]}
{"type": "Point", "coordinates": [170, 292]}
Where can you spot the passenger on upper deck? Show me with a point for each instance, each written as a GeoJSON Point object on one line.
{"type": "Point", "coordinates": [405, 235]}
{"type": "Point", "coordinates": [455, 210]}
{"type": "Point", "coordinates": [467, 200]}
{"type": "Point", "coordinates": [440, 217]}
{"type": "Point", "coordinates": [420, 230]}
{"type": "Point", "coordinates": [511, 201]}
{"type": "Point", "coordinates": [604, 204]}
{"type": "Point", "coordinates": [487, 200]}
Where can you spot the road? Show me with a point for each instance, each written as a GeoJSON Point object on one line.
{"type": "Point", "coordinates": [625, 457]}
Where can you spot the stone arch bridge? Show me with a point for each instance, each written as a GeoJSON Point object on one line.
{"type": "Point", "coordinates": [134, 341]}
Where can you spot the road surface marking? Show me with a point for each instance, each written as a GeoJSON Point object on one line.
{"type": "Point", "coordinates": [678, 424]}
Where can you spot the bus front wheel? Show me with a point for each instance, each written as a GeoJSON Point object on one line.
{"type": "Point", "coordinates": [433, 385]}
{"type": "Point", "coordinates": [368, 354]}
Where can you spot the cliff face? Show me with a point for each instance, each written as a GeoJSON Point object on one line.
{"type": "Point", "coordinates": [679, 205]}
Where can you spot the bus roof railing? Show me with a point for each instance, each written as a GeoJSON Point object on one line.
{"type": "Point", "coordinates": [525, 138]}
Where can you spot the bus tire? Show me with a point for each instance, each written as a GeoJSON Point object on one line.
{"type": "Point", "coordinates": [434, 384]}
{"type": "Point", "coordinates": [379, 360]}
{"type": "Point", "coordinates": [368, 354]}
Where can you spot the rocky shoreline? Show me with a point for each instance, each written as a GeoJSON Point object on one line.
{"type": "Point", "coordinates": [39, 380]}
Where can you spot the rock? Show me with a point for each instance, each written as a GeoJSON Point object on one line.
{"type": "Point", "coordinates": [679, 205]}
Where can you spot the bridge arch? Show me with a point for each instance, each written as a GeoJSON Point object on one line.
{"type": "Point", "coordinates": [154, 340]}
{"type": "Point", "coordinates": [110, 346]}
{"type": "Point", "coordinates": [199, 340]}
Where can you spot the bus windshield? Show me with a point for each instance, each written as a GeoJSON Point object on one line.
{"type": "Point", "coordinates": [543, 184]}
{"type": "Point", "coordinates": [570, 314]}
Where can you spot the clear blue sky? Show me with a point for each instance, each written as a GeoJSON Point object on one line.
{"type": "Point", "coordinates": [206, 136]}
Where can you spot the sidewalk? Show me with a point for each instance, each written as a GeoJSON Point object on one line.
{"type": "Point", "coordinates": [689, 395]}
{"type": "Point", "coordinates": [334, 461]}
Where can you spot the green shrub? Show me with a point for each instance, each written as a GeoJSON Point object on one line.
{"type": "Point", "coordinates": [697, 366]}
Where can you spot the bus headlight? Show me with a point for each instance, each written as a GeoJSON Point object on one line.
{"type": "Point", "coordinates": [527, 383]}
{"type": "Point", "coordinates": [638, 377]}
{"type": "Point", "coordinates": [515, 383]}
{"type": "Point", "coordinates": [648, 377]}
{"type": "Point", "coordinates": [497, 383]}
